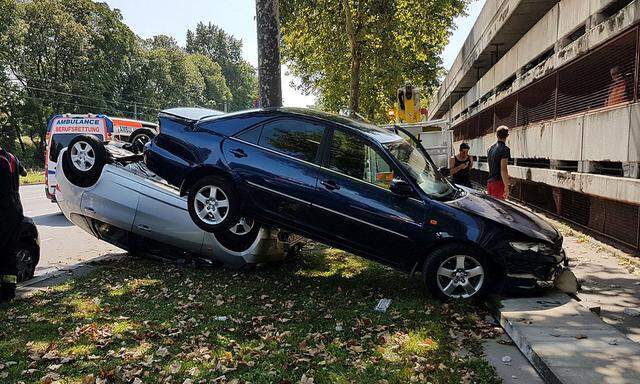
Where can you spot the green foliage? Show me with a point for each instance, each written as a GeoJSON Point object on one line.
{"type": "Point", "coordinates": [213, 42]}
{"type": "Point", "coordinates": [395, 40]}
{"type": "Point", "coordinates": [77, 56]}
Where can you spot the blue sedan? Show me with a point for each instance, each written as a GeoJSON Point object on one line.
{"type": "Point", "coordinates": [352, 185]}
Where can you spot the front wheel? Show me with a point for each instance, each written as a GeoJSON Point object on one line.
{"type": "Point", "coordinates": [213, 204]}
{"type": "Point", "coordinates": [456, 272]}
{"type": "Point", "coordinates": [83, 160]}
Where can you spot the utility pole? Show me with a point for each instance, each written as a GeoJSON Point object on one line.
{"type": "Point", "coordinates": [269, 75]}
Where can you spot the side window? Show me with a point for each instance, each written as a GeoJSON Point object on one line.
{"type": "Point", "coordinates": [251, 135]}
{"type": "Point", "coordinates": [352, 156]}
{"type": "Point", "coordinates": [297, 138]}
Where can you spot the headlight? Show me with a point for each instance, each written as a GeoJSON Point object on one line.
{"type": "Point", "coordinates": [533, 247]}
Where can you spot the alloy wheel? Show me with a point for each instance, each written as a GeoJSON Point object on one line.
{"type": "Point", "coordinates": [243, 226]}
{"type": "Point", "coordinates": [211, 204]}
{"type": "Point", "coordinates": [140, 141]}
{"type": "Point", "coordinates": [82, 156]}
{"type": "Point", "coordinates": [460, 276]}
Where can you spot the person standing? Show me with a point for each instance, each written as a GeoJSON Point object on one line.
{"type": "Point", "coordinates": [11, 217]}
{"type": "Point", "coordinates": [498, 158]}
{"type": "Point", "coordinates": [460, 166]}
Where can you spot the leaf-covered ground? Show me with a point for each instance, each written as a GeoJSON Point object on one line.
{"type": "Point", "coordinates": [309, 320]}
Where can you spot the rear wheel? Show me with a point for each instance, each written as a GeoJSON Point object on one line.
{"type": "Point", "coordinates": [83, 160]}
{"type": "Point", "coordinates": [213, 204]}
{"type": "Point", "coordinates": [240, 236]}
{"type": "Point", "coordinates": [456, 272]}
{"type": "Point", "coordinates": [139, 139]}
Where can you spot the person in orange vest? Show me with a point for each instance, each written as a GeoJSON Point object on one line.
{"type": "Point", "coordinates": [11, 217]}
{"type": "Point", "coordinates": [618, 88]}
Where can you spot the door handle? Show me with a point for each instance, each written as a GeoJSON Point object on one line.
{"type": "Point", "coordinates": [89, 209]}
{"type": "Point", "coordinates": [143, 227]}
{"type": "Point", "coordinates": [238, 153]}
{"type": "Point", "coordinates": [330, 185]}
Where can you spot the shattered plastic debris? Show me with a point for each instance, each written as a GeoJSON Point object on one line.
{"type": "Point", "coordinates": [506, 359]}
{"type": "Point", "coordinates": [221, 318]}
{"type": "Point", "coordinates": [383, 305]}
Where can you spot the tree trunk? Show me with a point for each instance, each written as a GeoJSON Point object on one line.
{"type": "Point", "coordinates": [356, 59]}
{"type": "Point", "coordinates": [269, 53]}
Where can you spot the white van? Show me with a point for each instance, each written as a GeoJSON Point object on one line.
{"type": "Point", "coordinates": [62, 128]}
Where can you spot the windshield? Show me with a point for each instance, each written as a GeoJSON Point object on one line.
{"type": "Point", "coordinates": [421, 168]}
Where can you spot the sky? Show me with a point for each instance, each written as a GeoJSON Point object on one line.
{"type": "Point", "coordinates": [173, 18]}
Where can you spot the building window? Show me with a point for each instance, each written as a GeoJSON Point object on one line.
{"type": "Point", "coordinates": [602, 78]}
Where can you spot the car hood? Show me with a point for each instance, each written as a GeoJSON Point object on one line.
{"type": "Point", "coordinates": [507, 214]}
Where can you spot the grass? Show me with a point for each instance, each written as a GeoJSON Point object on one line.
{"type": "Point", "coordinates": [309, 320]}
{"type": "Point", "coordinates": [34, 176]}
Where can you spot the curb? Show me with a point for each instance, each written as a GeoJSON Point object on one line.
{"type": "Point", "coordinates": [545, 372]}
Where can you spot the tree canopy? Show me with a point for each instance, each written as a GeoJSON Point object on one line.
{"type": "Point", "coordinates": [357, 53]}
{"type": "Point", "coordinates": [211, 41]}
{"type": "Point", "coordinates": [77, 56]}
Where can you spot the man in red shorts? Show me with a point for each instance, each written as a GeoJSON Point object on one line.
{"type": "Point", "coordinates": [498, 157]}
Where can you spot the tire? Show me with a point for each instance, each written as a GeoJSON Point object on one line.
{"type": "Point", "coordinates": [83, 160]}
{"type": "Point", "coordinates": [139, 139]}
{"type": "Point", "coordinates": [27, 256]}
{"type": "Point", "coordinates": [464, 274]}
{"type": "Point", "coordinates": [216, 200]}
{"type": "Point", "coordinates": [240, 236]}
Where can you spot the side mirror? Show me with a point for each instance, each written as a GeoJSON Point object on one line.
{"type": "Point", "coordinates": [400, 187]}
{"type": "Point", "coordinates": [444, 171]}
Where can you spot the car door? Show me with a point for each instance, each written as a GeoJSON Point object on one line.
{"type": "Point", "coordinates": [162, 215]}
{"type": "Point", "coordinates": [278, 161]}
{"type": "Point", "coordinates": [354, 202]}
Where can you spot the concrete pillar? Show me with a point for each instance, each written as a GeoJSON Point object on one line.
{"type": "Point", "coordinates": [586, 166]}
{"type": "Point", "coordinates": [631, 170]}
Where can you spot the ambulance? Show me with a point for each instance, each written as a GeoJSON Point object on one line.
{"type": "Point", "coordinates": [60, 131]}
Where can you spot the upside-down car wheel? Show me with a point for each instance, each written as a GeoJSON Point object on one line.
{"type": "Point", "coordinates": [83, 160]}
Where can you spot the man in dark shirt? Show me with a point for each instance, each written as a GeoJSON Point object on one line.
{"type": "Point", "coordinates": [498, 157]}
{"type": "Point", "coordinates": [10, 219]}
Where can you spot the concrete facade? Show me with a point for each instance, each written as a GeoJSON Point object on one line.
{"type": "Point", "coordinates": [566, 31]}
{"type": "Point", "coordinates": [549, 31]}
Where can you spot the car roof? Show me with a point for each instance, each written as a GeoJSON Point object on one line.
{"type": "Point", "coordinates": [194, 114]}
{"type": "Point", "coordinates": [379, 134]}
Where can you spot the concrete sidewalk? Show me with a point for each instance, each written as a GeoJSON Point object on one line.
{"type": "Point", "coordinates": [567, 343]}
{"type": "Point", "coordinates": [610, 284]}
{"type": "Point", "coordinates": [60, 276]}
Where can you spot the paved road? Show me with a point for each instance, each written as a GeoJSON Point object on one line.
{"type": "Point", "coordinates": [62, 244]}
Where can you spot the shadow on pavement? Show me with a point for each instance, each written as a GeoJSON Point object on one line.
{"type": "Point", "coordinates": [52, 220]}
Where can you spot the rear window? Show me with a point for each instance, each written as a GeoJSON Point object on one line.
{"type": "Point", "coordinates": [61, 141]}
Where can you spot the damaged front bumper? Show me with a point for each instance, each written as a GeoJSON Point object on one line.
{"type": "Point", "coordinates": [535, 272]}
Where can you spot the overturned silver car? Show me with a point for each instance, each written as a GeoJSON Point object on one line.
{"type": "Point", "coordinates": [130, 207]}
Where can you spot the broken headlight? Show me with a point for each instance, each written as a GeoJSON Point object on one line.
{"type": "Point", "coordinates": [541, 248]}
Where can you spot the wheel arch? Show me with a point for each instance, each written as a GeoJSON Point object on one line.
{"type": "Point", "coordinates": [200, 172]}
{"type": "Point", "coordinates": [490, 258]}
